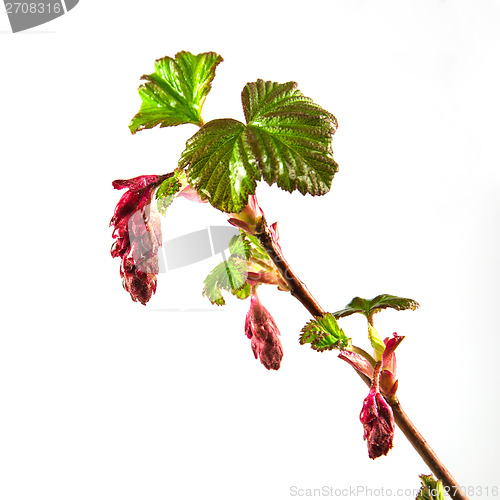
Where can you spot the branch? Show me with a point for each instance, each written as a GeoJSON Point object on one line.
{"type": "Point", "coordinates": [297, 288]}
{"type": "Point", "coordinates": [425, 451]}
{"type": "Point", "coordinates": [304, 296]}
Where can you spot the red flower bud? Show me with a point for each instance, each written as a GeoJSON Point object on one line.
{"type": "Point", "coordinates": [377, 419]}
{"type": "Point", "coordinates": [138, 236]}
{"type": "Point", "coordinates": [388, 380]}
{"type": "Point", "coordinates": [262, 330]}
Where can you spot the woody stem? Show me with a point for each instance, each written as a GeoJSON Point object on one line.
{"type": "Point", "coordinates": [425, 451]}
{"type": "Point", "coordinates": [297, 288]}
{"type": "Point", "coordinates": [304, 296]}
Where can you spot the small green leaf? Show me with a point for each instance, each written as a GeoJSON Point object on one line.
{"type": "Point", "coordinates": [165, 194]}
{"type": "Point", "coordinates": [258, 251]}
{"type": "Point", "coordinates": [233, 274]}
{"type": "Point", "coordinates": [240, 247]}
{"type": "Point", "coordinates": [212, 291]}
{"type": "Point", "coordinates": [243, 293]}
{"type": "Point", "coordinates": [324, 334]}
{"type": "Point", "coordinates": [220, 164]}
{"type": "Point", "coordinates": [229, 275]}
{"type": "Point", "coordinates": [370, 307]}
{"type": "Point", "coordinates": [174, 94]}
{"type": "Point", "coordinates": [430, 489]}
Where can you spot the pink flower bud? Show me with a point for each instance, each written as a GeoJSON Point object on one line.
{"type": "Point", "coordinates": [388, 380]}
{"type": "Point", "coordinates": [262, 330]}
{"type": "Point", "coordinates": [378, 423]}
{"type": "Point", "coordinates": [388, 357]}
{"type": "Point", "coordinates": [377, 419]}
{"type": "Point", "coordinates": [137, 236]}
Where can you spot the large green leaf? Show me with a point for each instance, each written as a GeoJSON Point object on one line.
{"type": "Point", "coordinates": [221, 164]}
{"type": "Point", "coordinates": [370, 307]}
{"type": "Point", "coordinates": [324, 334]}
{"type": "Point", "coordinates": [290, 136]}
{"type": "Point", "coordinates": [287, 141]}
{"type": "Point", "coordinates": [174, 94]}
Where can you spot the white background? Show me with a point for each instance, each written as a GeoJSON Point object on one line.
{"type": "Point", "coordinates": [102, 398]}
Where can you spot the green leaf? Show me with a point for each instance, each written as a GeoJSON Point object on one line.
{"type": "Point", "coordinates": [220, 164]}
{"type": "Point", "coordinates": [324, 334]}
{"type": "Point", "coordinates": [233, 275]}
{"type": "Point", "coordinates": [258, 251]}
{"type": "Point", "coordinates": [212, 291]}
{"type": "Point", "coordinates": [370, 307]}
{"type": "Point", "coordinates": [240, 247]}
{"type": "Point", "coordinates": [174, 94]}
{"type": "Point", "coordinates": [243, 293]}
{"type": "Point", "coordinates": [287, 141]}
{"type": "Point", "coordinates": [430, 489]}
{"type": "Point", "coordinates": [165, 194]}
{"type": "Point", "coordinates": [229, 275]}
{"type": "Point", "coordinates": [290, 136]}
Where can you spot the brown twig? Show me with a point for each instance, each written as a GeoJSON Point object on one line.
{"type": "Point", "coordinates": [425, 451]}
{"type": "Point", "coordinates": [301, 293]}
{"type": "Point", "coordinates": [297, 288]}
